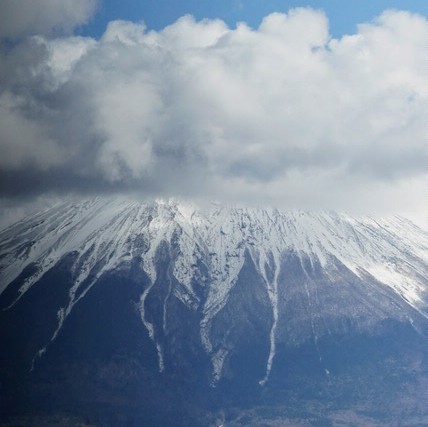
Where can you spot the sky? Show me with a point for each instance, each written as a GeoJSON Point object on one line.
{"type": "Point", "coordinates": [344, 16]}
{"type": "Point", "coordinates": [311, 105]}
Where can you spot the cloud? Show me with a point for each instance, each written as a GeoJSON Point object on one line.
{"type": "Point", "coordinates": [281, 114]}
{"type": "Point", "coordinates": [24, 18]}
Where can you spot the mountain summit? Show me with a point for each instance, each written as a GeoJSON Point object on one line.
{"type": "Point", "coordinates": [113, 307]}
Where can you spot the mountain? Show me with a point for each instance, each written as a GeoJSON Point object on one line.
{"type": "Point", "coordinates": [119, 312]}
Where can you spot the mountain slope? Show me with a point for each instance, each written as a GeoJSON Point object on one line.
{"type": "Point", "coordinates": [214, 297]}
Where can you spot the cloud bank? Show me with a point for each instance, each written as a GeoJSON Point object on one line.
{"type": "Point", "coordinates": [281, 114]}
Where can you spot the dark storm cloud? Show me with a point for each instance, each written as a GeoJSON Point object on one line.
{"type": "Point", "coordinates": [20, 18]}
{"type": "Point", "coordinates": [278, 113]}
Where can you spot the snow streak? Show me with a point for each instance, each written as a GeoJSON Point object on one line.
{"type": "Point", "coordinates": [272, 287]}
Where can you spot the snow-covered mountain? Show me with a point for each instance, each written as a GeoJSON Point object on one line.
{"type": "Point", "coordinates": [232, 290]}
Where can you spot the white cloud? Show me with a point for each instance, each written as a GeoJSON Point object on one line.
{"type": "Point", "coordinates": [281, 114]}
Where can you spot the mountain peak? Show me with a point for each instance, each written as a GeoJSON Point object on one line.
{"type": "Point", "coordinates": [210, 245]}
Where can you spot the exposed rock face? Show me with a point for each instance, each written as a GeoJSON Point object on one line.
{"type": "Point", "coordinates": [212, 303]}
